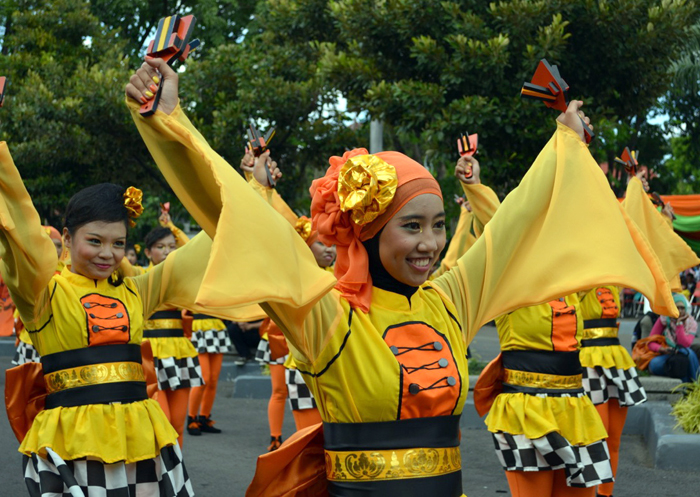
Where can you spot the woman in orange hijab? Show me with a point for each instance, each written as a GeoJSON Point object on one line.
{"type": "Point", "coordinates": [384, 351]}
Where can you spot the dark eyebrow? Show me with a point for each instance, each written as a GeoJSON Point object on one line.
{"type": "Point", "coordinates": [420, 216]}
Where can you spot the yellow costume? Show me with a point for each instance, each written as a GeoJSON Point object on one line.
{"type": "Point", "coordinates": [416, 345]}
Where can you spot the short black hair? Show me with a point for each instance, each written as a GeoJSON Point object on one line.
{"type": "Point", "coordinates": [103, 202]}
{"type": "Point", "coordinates": [155, 235]}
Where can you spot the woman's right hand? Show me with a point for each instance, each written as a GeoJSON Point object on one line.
{"type": "Point", "coordinates": [642, 176]}
{"type": "Point", "coordinates": [143, 84]}
{"type": "Point", "coordinates": [463, 164]}
{"type": "Point", "coordinates": [261, 163]}
{"type": "Point", "coordinates": [573, 117]}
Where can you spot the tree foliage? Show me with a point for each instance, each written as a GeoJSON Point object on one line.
{"type": "Point", "coordinates": [429, 69]}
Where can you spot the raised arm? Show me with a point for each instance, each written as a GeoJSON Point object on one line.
{"type": "Point", "coordinates": [180, 237]}
{"type": "Point", "coordinates": [538, 245]}
{"type": "Point", "coordinates": [674, 254]}
{"type": "Point", "coordinates": [28, 256]}
{"type": "Point", "coordinates": [256, 255]}
{"type": "Point", "coordinates": [483, 203]}
{"type": "Point", "coordinates": [261, 185]}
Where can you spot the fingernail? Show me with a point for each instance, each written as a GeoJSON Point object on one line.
{"type": "Point", "coordinates": [153, 88]}
{"type": "Point", "coordinates": [148, 94]}
{"type": "Point", "coordinates": [156, 79]}
{"type": "Point", "coordinates": [143, 100]}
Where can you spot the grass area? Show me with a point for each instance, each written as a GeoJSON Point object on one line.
{"type": "Point", "coordinates": [476, 364]}
{"type": "Point", "coordinates": [687, 409]}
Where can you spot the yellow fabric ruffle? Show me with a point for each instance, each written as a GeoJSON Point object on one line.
{"type": "Point", "coordinates": [208, 324]}
{"type": "Point", "coordinates": [111, 432]}
{"type": "Point", "coordinates": [177, 347]}
{"type": "Point", "coordinates": [574, 418]}
{"type": "Point", "coordinates": [611, 356]}
{"type": "Point", "coordinates": [24, 337]}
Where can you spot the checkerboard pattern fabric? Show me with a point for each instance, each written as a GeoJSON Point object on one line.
{"type": "Point", "coordinates": [602, 384]}
{"type": "Point", "coordinates": [211, 341]}
{"type": "Point", "coordinates": [25, 353]}
{"type": "Point", "coordinates": [263, 354]}
{"type": "Point", "coordinates": [174, 374]}
{"type": "Point", "coordinates": [300, 397]}
{"type": "Point", "coordinates": [164, 476]}
{"type": "Point", "coordinates": [585, 465]}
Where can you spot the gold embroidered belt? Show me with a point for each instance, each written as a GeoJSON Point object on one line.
{"type": "Point", "coordinates": [397, 464]}
{"type": "Point", "coordinates": [93, 374]}
{"type": "Point", "coordinates": [541, 380]}
{"type": "Point", "coordinates": [162, 324]}
{"type": "Point", "coordinates": [593, 333]}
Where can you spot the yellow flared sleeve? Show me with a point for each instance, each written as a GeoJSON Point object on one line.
{"type": "Point", "coordinates": [484, 203]}
{"type": "Point", "coordinates": [273, 198]}
{"type": "Point", "coordinates": [256, 256]}
{"type": "Point", "coordinates": [28, 256]}
{"type": "Point", "coordinates": [674, 254]}
{"type": "Point", "coordinates": [538, 245]}
{"type": "Point", "coordinates": [180, 237]}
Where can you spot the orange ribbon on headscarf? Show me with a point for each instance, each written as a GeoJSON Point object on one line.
{"type": "Point", "coordinates": [336, 227]}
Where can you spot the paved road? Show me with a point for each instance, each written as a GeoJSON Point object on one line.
{"type": "Point", "coordinates": [222, 465]}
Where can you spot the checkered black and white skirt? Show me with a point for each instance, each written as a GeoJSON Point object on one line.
{"type": "Point", "coordinates": [263, 354]}
{"type": "Point", "coordinates": [602, 384]}
{"type": "Point", "coordinates": [164, 475]}
{"type": "Point", "coordinates": [585, 465]}
{"type": "Point", "coordinates": [174, 374]}
{"type": "Point", "coordinates": [300, 397]}
{"type": "Point", "coordinates": [25, 353]}
{"type": "Point", "coordinates": [212, 341]}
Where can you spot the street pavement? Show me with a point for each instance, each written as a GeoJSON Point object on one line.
{"type": "Point", "coordinates": [223, 465]}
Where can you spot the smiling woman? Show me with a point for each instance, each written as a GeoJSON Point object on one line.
{"type": "Point", "coordinates": [90, 429]}
{"type": "Point", "coordinates": [384, 351]}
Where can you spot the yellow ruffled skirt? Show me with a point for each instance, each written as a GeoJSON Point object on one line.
{"type": "Point", "coordinates": [111, 432]}
{"type": "Point", "coordinates": [607, 356]}
{"type": "Point", "coordinates": [575, 418]}
{"type": "Point", "coordinates": [177, 347]}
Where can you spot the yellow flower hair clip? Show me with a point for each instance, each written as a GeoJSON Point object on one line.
{"type": "Point", "coordinates": [303, 227]}
{"type": "Point", "coordinates": [366, 187]}
{"type": "Point", "coordinates": [137, 248]}
{"type": "Point", "coordinates": [132, 201]}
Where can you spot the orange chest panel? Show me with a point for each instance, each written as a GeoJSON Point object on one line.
{"type": "Point", "coordinates": [430, 380]}
{"type": "Point", "coordinates": [607, 303]}
{"type": "Point", "coordinates": [564, 326]}
{"type": "Point", "coordinates": [107, 320]}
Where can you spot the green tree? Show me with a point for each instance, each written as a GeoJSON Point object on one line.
{"type": "Point", "coordinates": [431, 70]}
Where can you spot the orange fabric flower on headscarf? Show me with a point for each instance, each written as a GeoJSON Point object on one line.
{"type": "Point", "coordinates": [338, 227]}
{"type": "Point", "coordinates": [133, 198]}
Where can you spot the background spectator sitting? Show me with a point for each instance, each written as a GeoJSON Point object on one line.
{"type": "Point", "coordinates": [676, 359]}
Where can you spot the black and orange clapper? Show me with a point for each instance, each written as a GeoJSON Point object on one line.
{"type": "Point", "coordinates": [548, 86]}
{"type": "Point", "coordinates": [3, 80]}
{"type": "Point", "coordinates": [629, 160]}
{"type": "Point", "coordinates": [257, 144]}
{"type": "Point", "coordinates": [171, 43]}
{"type": "Point", "coordinates": [467, 145]}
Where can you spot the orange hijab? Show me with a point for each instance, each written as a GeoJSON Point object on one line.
{"type": "Point", "coordinates": [359, 194]}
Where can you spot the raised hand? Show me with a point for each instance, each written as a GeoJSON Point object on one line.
{"type": "Point", "coordinates": [143, 84]}
{"type": "Point", "coordinates": [248, 162]}
{"type": "Point", "coordinates": [262, 162]}
{"type": "Point", "coordinates": [573, 117]}
{"type": "Point", "coordinates": [465, 162]}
